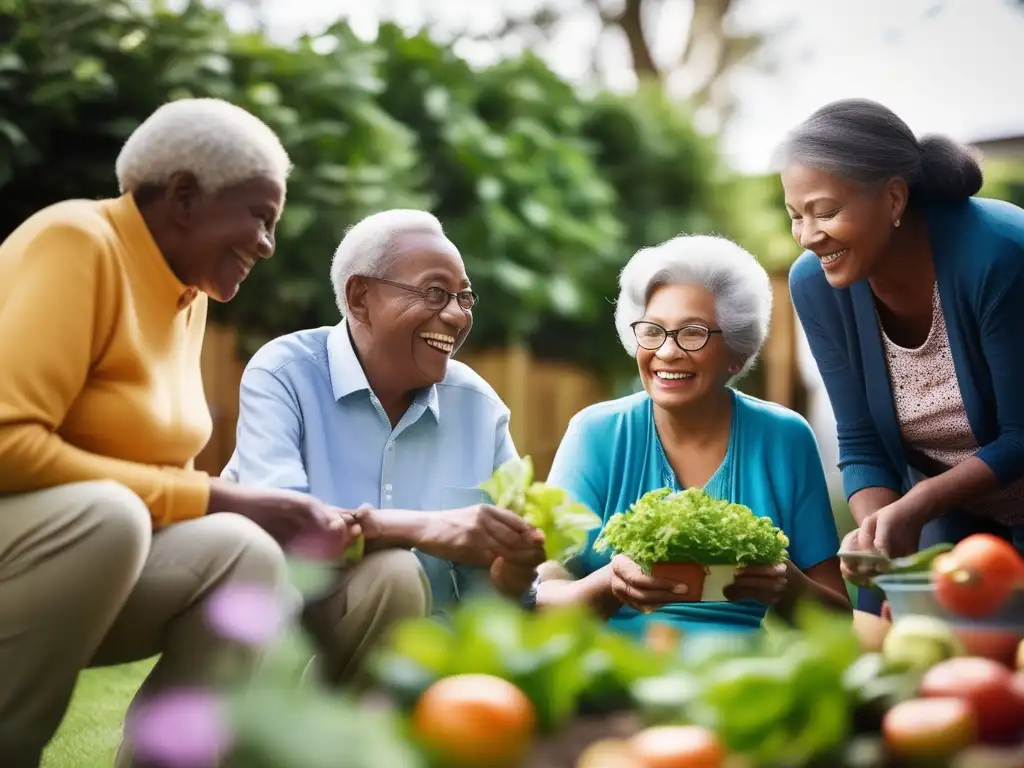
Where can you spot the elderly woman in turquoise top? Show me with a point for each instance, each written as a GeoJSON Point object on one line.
{"type": "Point", "coordinates": [694, 311]}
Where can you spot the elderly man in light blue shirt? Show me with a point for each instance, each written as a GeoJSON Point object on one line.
{"type": "Point", "coordinates": [373, 415]}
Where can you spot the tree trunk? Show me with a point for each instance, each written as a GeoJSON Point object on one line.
{"type": "Point", "coordinates": [631, 23]}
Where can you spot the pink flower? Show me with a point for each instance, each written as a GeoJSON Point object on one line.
{"type": "Point", "coordinates": [245, 613]}
{"type": "Point", "coordinates": [186, 728]}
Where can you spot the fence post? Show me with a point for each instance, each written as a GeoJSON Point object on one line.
{"type": "Point", "coordinates": [780, 348]}
{"type": "Point", "coordinates": [517, 385]}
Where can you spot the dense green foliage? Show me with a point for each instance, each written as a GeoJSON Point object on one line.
{"type": "Point", "coordinates": [692, 527]}
{"type": "Point", "coordinates": [545, 192]}
{"type": "Point", "coordinates": [1004, 180]}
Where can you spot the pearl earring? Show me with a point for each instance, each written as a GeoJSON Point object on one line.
{"type": "Point", "coordinates": [896, 223]}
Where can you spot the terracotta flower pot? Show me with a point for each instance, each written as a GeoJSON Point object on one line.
{"type": "Point", "coordinates": [706, 582]}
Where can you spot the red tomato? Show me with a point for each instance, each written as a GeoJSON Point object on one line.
{"type": "Point", "coordinates": [929, 728]}
{"type": "Point", "coordinates": [989, 643]}
{"type": "Point", "coordinates": [678, 746]}
{"type": "Point", "coordinates": [977, 576]}
{"type": "Point", "coordinates": [475, 720]}
{"type": "Point", "coordinates": [988, 688]}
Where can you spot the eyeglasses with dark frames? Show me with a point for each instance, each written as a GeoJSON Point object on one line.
{"type": "Point", "coordinates": [435, 297]}
{"type": "Point", "coordinates": [689, 338]}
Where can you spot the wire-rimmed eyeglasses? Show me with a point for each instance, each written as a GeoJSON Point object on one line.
{"type": "Point", "coordinates": [435, 297]}
{"type": "Point", "coordinates": [689, 338]}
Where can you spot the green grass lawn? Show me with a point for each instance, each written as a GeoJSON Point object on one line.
{"type": "Point", "coordinates": [91, 731]}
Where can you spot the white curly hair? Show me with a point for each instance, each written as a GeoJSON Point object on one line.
{"type": "Point", "coordinates": [219, 143]}
{"type": "Point", "coordinates": [369, 246]}
{"type": "Point", "coordinates": [740, 285]}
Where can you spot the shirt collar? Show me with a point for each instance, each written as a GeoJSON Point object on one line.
{"type": "Point", "coordinates": [348, 377]}
{"type": "Point", "coordinates": [128, 221]}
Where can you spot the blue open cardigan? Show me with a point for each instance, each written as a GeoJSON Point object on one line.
{"type": "Point", "coordinates": [978, 250]}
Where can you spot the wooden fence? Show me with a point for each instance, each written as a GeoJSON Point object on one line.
{"type": "Point", "coordinates": [541, 395]}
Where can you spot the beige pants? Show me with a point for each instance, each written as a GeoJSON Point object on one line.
{"type": "Point", "coordinates": [85, 582]}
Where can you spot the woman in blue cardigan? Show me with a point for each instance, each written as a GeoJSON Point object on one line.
{"type": "Point", "coordinates": [911, 294]}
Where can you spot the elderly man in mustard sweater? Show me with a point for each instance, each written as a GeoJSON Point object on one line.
{"type": "Point", "coordinates": [110, 541]}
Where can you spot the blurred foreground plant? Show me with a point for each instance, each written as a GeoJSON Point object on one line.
{"type": "Point", "coordinates": [566, 661]}
{"type": "Point", "coordinates": [274, 716]}
{"type": "Point", "coordinates": [790, 696]}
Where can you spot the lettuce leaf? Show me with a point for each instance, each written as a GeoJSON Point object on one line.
{"type": "Point", "coordinates": [355, 551]}
{"type": "Point", "coordinates": [692, 527]}
{"type": "Point", "coordinates": [563, 522]}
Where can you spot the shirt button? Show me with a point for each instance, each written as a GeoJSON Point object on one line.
{"type": "Point", "coordinates": [387, 487]}
{"type": "Point", "coordinates": [391, 446]}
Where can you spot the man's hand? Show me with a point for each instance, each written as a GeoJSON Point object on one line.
{"type": "Point", "coordinates": [513, 579]}
{"type": "Point", "coordinates": [369, 521]}
{"type": "Point", "coordinates": [480, 534]}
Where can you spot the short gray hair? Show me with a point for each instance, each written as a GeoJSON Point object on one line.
{"type": "Point", "coordinates": [369, 247]}
{"type": "Point", "coordinates": [868, 144]}
{"type": "Point", "coordinates": [217, 142]}
{"type": "Point", "coordinates": [740, 285]}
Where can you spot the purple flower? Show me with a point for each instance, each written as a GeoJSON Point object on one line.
{"type": "Point", "coordinates": [186, 728]}
{"type": "Point", "coordinates": [246, 613]}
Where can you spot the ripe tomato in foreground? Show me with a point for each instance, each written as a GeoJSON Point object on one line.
{"type": "Point", "coordinates": [610, 753]}
{"type": "Point", "coordinates": [475, 721]}
{"type": "Point", "coordinates": [988, 687]}
{"type": "Point", "coordinates": [929, 728]}
{"type": "Point", "coordinates": [678, 746]}
{"type": "Point", "coordinates": [977, 576]}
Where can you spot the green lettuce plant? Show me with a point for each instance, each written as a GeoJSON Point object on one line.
{"type": "Point", "coordinates": [692, 527]}
{"type": "Point", "coordinates": [563, 522]}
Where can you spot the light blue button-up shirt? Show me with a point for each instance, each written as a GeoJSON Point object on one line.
{"type": "Point", "coordinates": [308, 421]}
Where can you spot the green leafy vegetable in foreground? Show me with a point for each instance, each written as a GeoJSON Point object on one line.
{"type": "Point", "coordinates": [563, 522]}
{"type": "Point", "coordinates": [565, 660]}
{"type": "Point", "coordinates": [692, 527]}
{"type": "Point", "coordinates": [780, 698]}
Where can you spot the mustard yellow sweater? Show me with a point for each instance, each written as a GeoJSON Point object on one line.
{"type": "Point", "coordinates": [99, 360]}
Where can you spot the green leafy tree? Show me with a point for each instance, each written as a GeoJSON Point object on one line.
{"type": "Point", "coordinates": [516, 186]}
{"type": "Point", "coordinates": [546, 193]}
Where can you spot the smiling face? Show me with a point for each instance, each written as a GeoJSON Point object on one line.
{"type": "Point", "coordinates": [672, 376]}
{"type": "Point", "coordinates": [224, 234]}
{"type": "Point", "coordinates": [847, 226]}
{"type": "Point", "coordinates": [412, 341]}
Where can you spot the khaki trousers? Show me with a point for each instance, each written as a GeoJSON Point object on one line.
{"type": "Point", "coordinates": [84, 581]}
{"type": "Point", "coordinates": [364, 602]}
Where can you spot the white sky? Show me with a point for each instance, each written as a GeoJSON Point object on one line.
{"type": "Point", "coordinates": [951, 66]}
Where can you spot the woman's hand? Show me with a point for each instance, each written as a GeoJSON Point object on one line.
{"type": "Point", "coordinates": [295, 520]}
{"type": "Point", "coordinates": [860, 576]}
{"type": "Point", "coordinates": [631, 587]}
{"type": "Point", "coordinates": [766, 584]}
{"type": "Point", "coordinates": [895, 529]}
{"type": "Point", "coordinates": [329, 543]}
